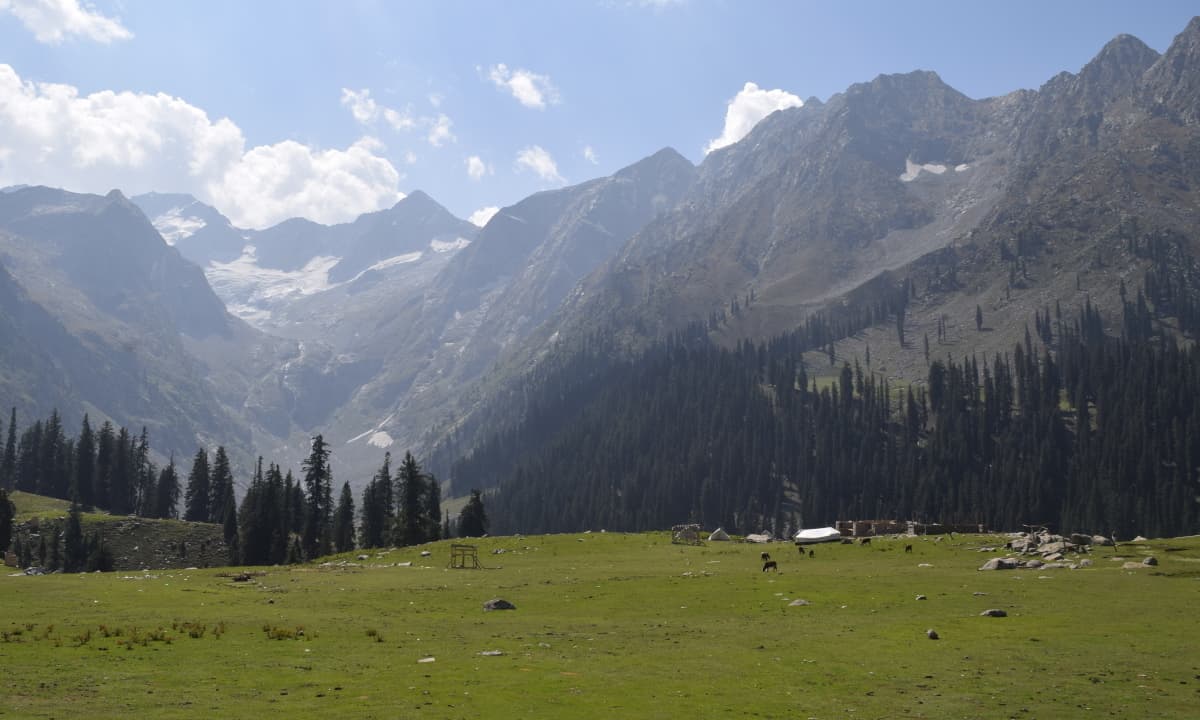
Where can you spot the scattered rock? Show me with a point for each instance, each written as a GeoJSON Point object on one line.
{"type": "Point", "coordinates": [1132, 566]}
{"type": "Point", "coordinates": [921, 565]}
{"type": "Point", "coordinates": [1004, 563]}
{"type": "Point", "coordinates": [1033, 564]}
{"type": "Point", "coordinates": [921, 597]}
{"type": "Point", "coordinates": [1081, 539]}
{"type": "Point", "coordinates": [498, 604]}
{"type": "Point", "coordinates": [492, 653]}
{"type": "Point", "coordinates": [931, 634]}
{"type": "Point", "coordinates": [425, 553]}
{"type": "Point", "coordinates": [798, 602]}
{"type": "Point", "coordinates": [977, 593]}
{"type": "Point", "coordinates": [1085, 563]}
{"type": "Point", "coordinates": [1139, 538]}
{"type": "Point", "coordinates": [426, 659]}
{"type": "Point", "coordinates": [1054, 566]}
{"type": "Point", "coordinates": [1102, 541]}
{"type": "Point", "coordinates": [993, 612]}
{"type": "Point", "coordinates": [363, 557]}
{"type": "Point", "coordinates": [1150, 561]}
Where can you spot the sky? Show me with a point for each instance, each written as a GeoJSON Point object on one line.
{"type": "Point", "coordinates": [271, 109]}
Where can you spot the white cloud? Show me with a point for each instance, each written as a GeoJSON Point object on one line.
{"type": "Point", "coordinates": [52, 21]}
{"type": "Point", "coordinates": [410, 157]}
{"type": "Point", "coordinates": [435, 99]}
{"type": "Point", "coordinates": [746, 109]}
{"type": "Point", "coordinates": [590, 155]}
{"type": "Point", "coordinates": [399, 119]}
{"type": "Point", "coordinates": [51, 135]}
{"type": "Point", "coordinates": [362, 107]}
{"type": "Point", "coordinates": [439, 131]}
{"type": "Point", "coordinates": [536, 158]}
{"type": "Point", "coordinates": [529, 88]}
{"type": "Point", "coordinates": [477, 168]}
{"type": "Point", "coordinates": [481, 216]}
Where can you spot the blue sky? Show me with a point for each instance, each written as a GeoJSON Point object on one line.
{"type": "Point", "coordinates": [326, 109]}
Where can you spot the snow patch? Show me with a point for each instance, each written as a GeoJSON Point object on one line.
{"type": "Point", "coordinates": [912, 170]}
{"type": "Point", "coordinates": [442, 246]}
{"type": "Point", "coordinates": [390, 262]}
{"type": "Point", "coordinates": [174, 226]}
{"type": "Point", "coordinates": [373, 432]}
{"type": "Point", "coordinates": [961, 168]}
{"type": "Point", "coordinates": [380, 440]}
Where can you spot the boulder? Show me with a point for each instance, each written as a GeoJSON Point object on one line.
{"type": "Point", "coordinates": [498, 604]}
{"type": "Point", "coordinates": [1139, 538]}
{"type": "Point", "coordinates": [1150, 561]}
{"type": "Point", "coordinates": [1085, 563]}
{"type": "Point", "coordinates": [1003, 563]}
{"type": "Point", "coordinates": [1050, 548]}
{"type": "Point", "coordinates": [1053, 557]}
{"type": "Point", "coordinates": [1102, 541]}
{"type": "Point", "coordinates": [931, 634]}
{"type": "Point", "coordinates": [1054, 566]}
{"type": "Point", "coordinates": [993, 612]}
{"type": "Point", "coordinates": [1081, 539]}
{"type": "Point", "coordinates": [1033, 564]}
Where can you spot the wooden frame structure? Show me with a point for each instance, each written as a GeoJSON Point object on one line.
{"type": "Point", "coordinates": [464, 557]}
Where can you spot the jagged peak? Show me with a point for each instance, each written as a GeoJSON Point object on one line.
{"type": "Point", "coordinates": [665, 158]}
{"type": "Point", "coordinates": [1125, 55]}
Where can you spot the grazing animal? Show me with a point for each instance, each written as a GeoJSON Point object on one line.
{"type": "Point", "coordinates": [812, 553]}
{"type": "Point", "coordinates": [770, 565]}
{"type": "Point", "coordinates": [908, 549]}
{"type": "Point", "coordinates": [765, 556]}
{"type": "Point", "coordinates": [801, 549]}
{"type": "Point", "coordinates": [865, 541]}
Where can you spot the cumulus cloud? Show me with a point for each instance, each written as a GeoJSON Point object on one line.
{"type": "Point", "coordinates": [529, 88]}
{"type": "Point", "coordinates": [477, 168]}
{"type": "Point", "coordinates": [481, 216]}
{"type": "Point", "coordinates": [52, 21]}
{"type": "Point", "coordinates": [746, 109]}
{"type": "Point", "coordinates": [439, 131]}
{"type": "Point", "coordinates": [52, 135]}
{"type": "Point", "coordinates": [536, 158]}
{"type": "Point", "coordinates": [590, 155]}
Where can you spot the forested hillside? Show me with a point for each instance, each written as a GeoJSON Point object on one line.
{"type": "Point", "coordinates": [1073, 429]}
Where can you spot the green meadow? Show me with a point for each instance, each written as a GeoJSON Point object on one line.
{"type": "Point", "coordinates": [612, 625]}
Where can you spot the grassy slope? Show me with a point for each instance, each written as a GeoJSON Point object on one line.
{"type": "Point", "coordinates": [612, 625]}
{"type": "Point", "coordinates": [134, 542]}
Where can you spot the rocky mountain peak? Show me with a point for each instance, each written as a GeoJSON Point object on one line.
{"type": "Point", "coordinates": [1173, 83]}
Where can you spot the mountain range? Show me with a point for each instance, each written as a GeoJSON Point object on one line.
{"type": "Point", "coordinates": [410, 329]}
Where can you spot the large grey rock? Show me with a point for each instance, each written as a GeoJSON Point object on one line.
{"type": "Point", "coordinates": [1003, 563]}
{"type": "Point", "coordinates": [1080, 539]}
{"type": "Point", "coordinates": [498, 604]}
{"type": "Point", "coordinates": [1102, 541]}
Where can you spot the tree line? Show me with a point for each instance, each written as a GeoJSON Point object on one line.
{"type": "Point", "coordinates": [280, 518]}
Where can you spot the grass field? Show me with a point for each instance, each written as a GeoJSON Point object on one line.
{"type": "Point", "coordinates": [614, 626]}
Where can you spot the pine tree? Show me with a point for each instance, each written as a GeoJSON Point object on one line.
{"type": "Point", "coordinates": [196, 495]}
{"type": "Point", "coordinates": [978, 319]}
{"type": "Point", "coordinates": [166, 495]}
{"type": "Point", "coordinates": [473, 520]}
{"type": "Point", "coordinates": [122, 478]}
{"type": "Point", "coordinates": [28, 463]}
{"type": "Point", "coordinates": [220, 486]}
{"type": "Point", "coordinates": [377, 508]}
{"type": "Point", "coordinates": [84, 483]}
{"type": "Point", "coordinates": [105, 459]}
{"type": "Point", "coordinates": [410, 490]}
{"type": "Point", "coordinates": [343, 521]}
{"type": "Point", "coordinates": [318, 514]}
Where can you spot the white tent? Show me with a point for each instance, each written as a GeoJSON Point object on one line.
{"type": "Point", "coordinates": [817, 535]}
{"type": "Point", "coordinates": [718, 534]}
